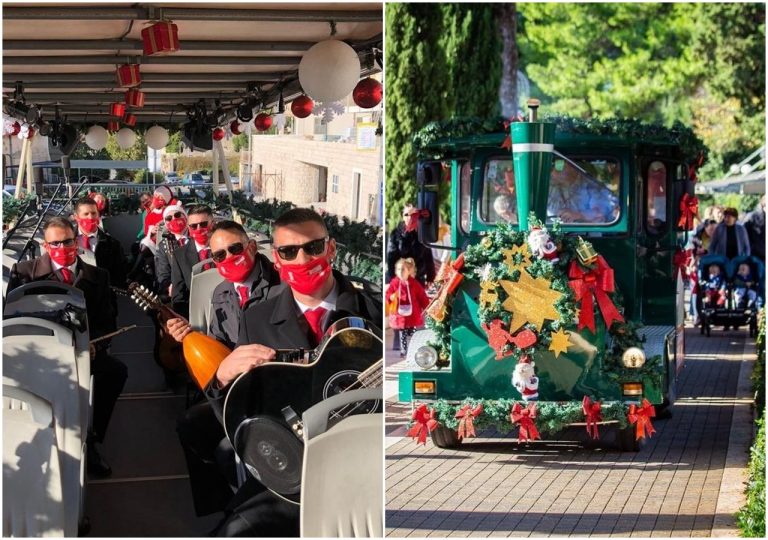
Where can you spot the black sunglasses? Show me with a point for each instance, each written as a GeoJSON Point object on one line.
{"type": "Point", "coordinates": [69, 242]}
{"type": "Point", "coordinates": [312, 248]}
{"type": "Point", "coordinates": [193, 226]}
{"type": "Point", "coordinates": [177, 215]}
{"type": "Point", "coordinates": [233, 249]}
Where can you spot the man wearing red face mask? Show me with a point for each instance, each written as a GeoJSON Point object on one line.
{"type": "Point", "coordinates": [108, 251]}
{"type": "Point", "coordinates": [295, 317]}
{"type": "Point", "coordinates": [161, 198]}
{"type": "Point", "coordinates": [61, 263]}
{"type": "Point", "coordinates": [173, 237]}
{"type": "Point", "coordinates": [198, 222]}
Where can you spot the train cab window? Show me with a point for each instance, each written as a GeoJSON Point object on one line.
{"type": "Point", "coordinates": [656, 197]}
{"type": "Point", "coordinates": [465, 187]}
{"type": "Point", "coordinates": [584, 190]}
{"type": "Point", "coordinates": [498, 203]}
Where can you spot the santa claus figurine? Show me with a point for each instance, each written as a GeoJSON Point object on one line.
{"type": "Point", "coordinates": [542, 245]}
{"type": "Point", "coordinates": [525, 380]}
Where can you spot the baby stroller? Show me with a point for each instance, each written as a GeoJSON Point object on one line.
{"type": "Point", "coordinates": [716, 299]}
{"type": "Point", "coordinates": [746, 302]}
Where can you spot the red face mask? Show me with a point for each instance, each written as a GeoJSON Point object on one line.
{"type": "Point", "coordinates": [236, 268]}
{"type": "Point", "coordinates": [158, 202]}
{"type": "Point", "coordinates": [65, 256]}
{"type": "Point", "coordinates": [412, 222]}
{"type": "Point", "coordinates": [306, 278]}
{"type": "Point", "coordinates": [101, 205]}
{"type": "Point", "coordinates": [177, 225]}
{"type": "Point", "coordinates": [200, 235]}
{"type": "Point", "coordinates": [88, 225]}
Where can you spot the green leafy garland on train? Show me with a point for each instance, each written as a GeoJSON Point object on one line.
{"type": "Point", "coordinates": [627, 128]}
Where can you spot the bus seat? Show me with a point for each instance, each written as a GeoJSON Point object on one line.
{"type": "Point", "coordinates": [88, 256]}
{"type": "Point", "coordinates": [342, 478]}
{"type": "Point", "coordinates": [46, 367]}
{"type": "Point", "coordinates": [44, 287]}
{"type": "Point", "coordinates": [33, 502]}
{"type": "Point", "coordinates": [201, 290]}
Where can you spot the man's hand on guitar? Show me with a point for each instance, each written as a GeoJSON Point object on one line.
{"type": "Point", "coordinates": [242, 359]}
{"type": "Point", "coordinates": [178, 328]}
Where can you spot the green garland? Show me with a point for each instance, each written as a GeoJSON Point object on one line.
{"type": "Point", "coordinates": [438, 133]}
{"type": "Point", "coordinates": [551, 417]}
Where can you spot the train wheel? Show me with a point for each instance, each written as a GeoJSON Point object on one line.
{"type": "Point", "coordinates": [625, 439]}
{"type": "Point", "coordinates": [443, 437]}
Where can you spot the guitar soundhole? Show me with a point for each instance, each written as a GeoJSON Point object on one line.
{"type": "Point", "coordinates": [341, 382]}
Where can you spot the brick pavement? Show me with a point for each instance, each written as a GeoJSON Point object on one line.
{"type": "Point", "coordinates": [572, 486]}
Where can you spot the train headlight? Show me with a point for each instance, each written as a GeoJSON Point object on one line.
{"type": "Point", "coordinates": [633, 357]}
{"type": "Point", "coordinates": [425, 357]}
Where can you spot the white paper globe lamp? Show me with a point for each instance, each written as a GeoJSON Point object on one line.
{"type": "Point", "coordinates": [96, 137]}
{"type": "Point", "coordinates": [156, 137]}
{"type": "Point", "coordinates": [329, 70]}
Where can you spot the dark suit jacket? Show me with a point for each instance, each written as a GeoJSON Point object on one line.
{"type": "Point", "coordinates": [225, 301]}
{"type": "Point", "coordinates": [110, 257]}
{"type": "Point", "coordinates": [181, 276]}
{"type": "Point", "coordinates": [100, 301]}
{"type": "Point", "coordinates": [406, 244]}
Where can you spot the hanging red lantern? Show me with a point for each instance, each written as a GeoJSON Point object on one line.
{"type": "Point", "coordinates": [160, 38]}
{"type": "Point", "coordinates": [368, 93]}
{"type": "Point", "coordinates": [117, 110]}
{"type": "Point", "coordinates": [263, 122]}
{"type": "Point", "coordinates": [234, 127]}
{"type": "Point", "coordinates": [135, 98]}
{"type": "Point", "coordinates": [129, 120]}
{"type": "Point", "coordinates": [128, 75]}
{"type": "Point", "coordinates": [113, 126]}
{"type": "Point", "coordinates": [218, 134]}
{"type": "Point", "coordinates": [302, 106]}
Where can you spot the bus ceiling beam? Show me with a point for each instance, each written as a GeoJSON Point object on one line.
{"type": "Point", "coordinates": [188, 14]}
{"type": "Point", "coordinates": [108, 97]}
{"type": "Point", "coordinates": [152, 60]}
{"type": "Point", "coordinates": [109, 76]}
{"type": "Point", "coordinates": [136, 45]}
{"type": "Point", "coordinates": [211, 84]}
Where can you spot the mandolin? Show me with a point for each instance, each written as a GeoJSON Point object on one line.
{"type": "Point", "coordinates": [263, 408]}
{"type": "Point", "coordinates": [202, 353]}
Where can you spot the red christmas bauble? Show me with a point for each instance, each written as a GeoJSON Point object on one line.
{"type": "Point", "coordinates": [30, 133]}
{"type": "Point", "coordinates": [218, 134]}
{"type": "Point", "coordinates": [302, 106]}
{"type": "Point", "coordinates": [368, 93]}
{"type": "Point", "coordinates": [263, 121]}
{"type": "Point", "coordinates": [16, 128]}
{"type": "Point", "coordinates": [234, 127]}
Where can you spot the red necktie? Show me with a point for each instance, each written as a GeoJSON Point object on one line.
{"type": "Point", "coordinates": [182, 241]}
{"type": "Point", "coordinates": [204, 254]}
{"type": "Point", "coordinates": [314, 316]}
{"type": "Point", "coordinates": [67, 276]}
{"type": "Point", "coordinates": [85, 242]}
{"type": "Point", "coordinates": [244, 293]}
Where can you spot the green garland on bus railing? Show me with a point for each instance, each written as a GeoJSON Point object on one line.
{"type": "Point", "coordinates": [691, 146]}
{"type": "Point", "coordinates": [12, 206]}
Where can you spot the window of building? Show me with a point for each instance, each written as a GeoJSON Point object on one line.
{"type": "Point", "coordinates": [335, 184]}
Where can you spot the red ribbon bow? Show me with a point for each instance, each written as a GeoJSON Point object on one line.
{"type": "Point", "coordinates": [689, 208]}
{"type": "Point", "coordinates": [423, 423]}
{"type": "Point", "coordinates": [593, 414]}
{"type": "Point", "coordinates": [466, 423]}
{"type": "Point", "coordinates": [680, 260]}
{"type": "Point", "coordinates": [641, 416]}
{"type": "Point", "coordinates": [525, 417]}
{"type": "Point", "coordinates": [596, 283]}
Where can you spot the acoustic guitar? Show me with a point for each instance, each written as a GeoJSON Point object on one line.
{"type": "Point", "coordinates": [263, 408]}
{"type": "Point", "coordinates": [202, 353]}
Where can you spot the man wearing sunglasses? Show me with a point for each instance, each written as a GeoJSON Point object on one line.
{"type": "Point", "coordinates": [295, 317]}
{"type": "Point", "coordinates": [61, 263]}
{"type": "Point", "coordinates": [170, 236]}
{"type": "Point", "coordinates": [198, 222]}
{"type": "Point", "coordinates": [108, 250]}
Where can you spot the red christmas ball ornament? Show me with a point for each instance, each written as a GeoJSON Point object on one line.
{"type": "Point", "coordinates": [368, 93]}
{"type": "Point", "coordinates": [302, 106]}
{"type": "Point", "coordinates": [263, 122]}
{"type": "Point", "coordinates": [234, 127]}
{"type": "Point", "coordinates": [218, 134]}
{"type": "Point", "coordinates": [30, 133]}
{"type": "Point", "coordinates": [16, 128]}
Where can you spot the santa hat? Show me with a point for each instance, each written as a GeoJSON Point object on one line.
{"type": "Point", "coordinates": [164, 192]}
{"type": "Point", "coordinates": [172, 209]}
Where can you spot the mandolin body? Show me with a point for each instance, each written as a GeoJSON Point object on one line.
{"type": "Point", "coordinates": [203, 354]}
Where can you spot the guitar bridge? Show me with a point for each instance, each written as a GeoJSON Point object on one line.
{"type": "Point", "coordinates": [293, 420]}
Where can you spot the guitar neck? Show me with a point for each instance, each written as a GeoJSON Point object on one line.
{"type": "Point", "coordinates": [372, 377]}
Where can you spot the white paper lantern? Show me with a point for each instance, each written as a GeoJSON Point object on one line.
{"type": "Point", "coordinates": [156, 137]}
{"type": "Point", "coordinates": [329, 70]}
{"type": "Point", "coordinates": [96, 137]}
{"type": "Point", "coordinates": [126, 138]}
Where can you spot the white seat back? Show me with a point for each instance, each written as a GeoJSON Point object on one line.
{"type": "Point", "coordinates": [46, 366]}
{"type": "Point", "coordinates": [33, 503]}
{"type": "Point", "coordinates": [342, 476]}
{"type": "Point", "coordinates": [201, 290]}
{"type": "Point", "coordinates": [88, 256]}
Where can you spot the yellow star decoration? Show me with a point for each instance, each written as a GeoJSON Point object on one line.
{"type": "Point", "coordinates": [509, 257]}
{"type": "Point", "coordinates": [530, 301]}
{"type": "Point", "coordinates": [559, 342]}
{"type": "Point", "coordinates": [488, 295]}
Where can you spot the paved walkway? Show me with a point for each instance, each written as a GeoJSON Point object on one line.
{"type": "Point", "coordinates": [677, 485]}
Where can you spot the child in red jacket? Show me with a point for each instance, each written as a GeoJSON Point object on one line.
{"type": "Point", "coordinates": [410, 299]}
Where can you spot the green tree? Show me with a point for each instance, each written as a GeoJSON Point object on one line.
{"type": "Point", "coordinates": [174, 143]}
{"type": "Point", "coordinates": [240, 142]}
{"type": "Point", "coordinates": [136, 152]}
